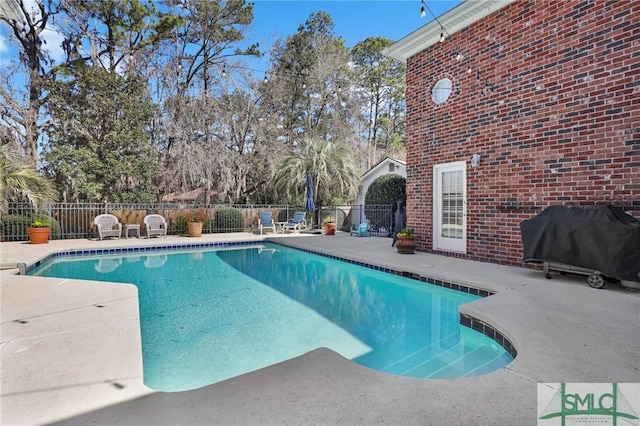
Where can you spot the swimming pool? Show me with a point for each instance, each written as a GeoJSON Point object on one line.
{"type": "Point", "coordinates": [207, 315]}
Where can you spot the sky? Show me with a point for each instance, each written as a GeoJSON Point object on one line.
{"type": "Point", "coordinates": [354, 20]}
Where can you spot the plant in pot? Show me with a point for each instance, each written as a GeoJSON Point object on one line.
{"type": "Point", "coordinates": [406, 242]}
{"type": "Point", "coordinates": [329, 224]}
{"type": "Point", "coordinates": [39, 231]}
{"type": "Point", "coordinates": [195, 221]}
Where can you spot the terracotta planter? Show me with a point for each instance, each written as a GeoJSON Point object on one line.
{"type": "Point", "coordinates": [39, 235]}
{"type": "Point", "coordinates": [405, 245]}
{"type": "Point", "coordinates": [195, 229]}
{"type": "Point", "coordinates": [330, 228]}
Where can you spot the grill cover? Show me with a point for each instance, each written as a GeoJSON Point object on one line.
{"type": "Point", "coordinates": [602, 238]}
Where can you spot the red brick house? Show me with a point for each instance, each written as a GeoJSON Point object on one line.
{"type": "Point", "coordinates": [545, 94]}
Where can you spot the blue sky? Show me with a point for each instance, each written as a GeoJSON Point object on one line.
{"type": "Point", "coordinates": [354, 21]}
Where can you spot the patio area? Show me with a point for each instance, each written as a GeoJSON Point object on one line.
{"type": "Point", "coordinates": [71, 352]}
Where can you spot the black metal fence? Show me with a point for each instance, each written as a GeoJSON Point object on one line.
{"type": "Point", "coordinates": [75, 220]}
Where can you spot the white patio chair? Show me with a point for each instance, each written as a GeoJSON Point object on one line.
{"type": "Point", "coordinates": [108, 226]}
{"type": "Point", "coordinates": [155, 224]}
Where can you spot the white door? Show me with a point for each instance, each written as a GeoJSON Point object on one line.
{"type": "Point", "coordinates": [450, 207]}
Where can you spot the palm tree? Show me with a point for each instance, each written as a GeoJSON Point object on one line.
{"type": "Point", "coordinates": [331, 164]}
{"type": "Point", "coordinates": [19, 181]}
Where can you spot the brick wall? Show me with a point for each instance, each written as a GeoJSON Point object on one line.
{"type": "Point", "coordinates": [551, 104]}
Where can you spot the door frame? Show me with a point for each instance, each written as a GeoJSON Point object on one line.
{"type": "Point", "coordinates": [457, 245]}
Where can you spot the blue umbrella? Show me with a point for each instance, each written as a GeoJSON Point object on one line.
{"type": "Point", "coordinates": [310, 204]}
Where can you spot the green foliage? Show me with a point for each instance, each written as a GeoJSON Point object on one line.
{"type": "Point", "coordinates": [178, 226]}
{"type": "Point", "coordinates": [19, 181]}
{"type": "Point", "coordinates": [132, 24]}
{"type": "Point", "coordinates": [14, 226]}
{"type": "Point", "coordinates": [384, 79]}
{"type": "Point", "coordinates": [229, 219]}
{"type": "Point", "coordinates": [312, 99]}
{"type": "Point", "coordinates": [332, 167]}
{"type": "Point", "coordinates": [386, 189]}
{"type": "Point", "coordinates": [99, 143]}
{"type": "Point", "coordinates": [406, 232]}
{"type": "Point", "coordinates": [211, 28]}
{"type": "Point", "coordinates": [40, 223]}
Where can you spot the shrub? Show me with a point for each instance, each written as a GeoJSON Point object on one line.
{"type": "Point", "coordinates": [406, 232]}
{"type": "Point", "coordinates": [14, 226]}
{"type": "Point", "coordinates": [386, 189]}
{"type": "Point", "coordinates": [178, 226]}
{"type": "Point", "coordinates": [229, 219]}
{"type": "Point", "coordinates": [196, 216]}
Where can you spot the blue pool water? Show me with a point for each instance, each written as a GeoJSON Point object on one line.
{"type": "Point", "coordinates": [209, 315]}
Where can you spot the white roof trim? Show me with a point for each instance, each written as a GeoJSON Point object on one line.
{"type": "Point", "coordinates": [383, 161]}
{"type": "Point", "coordinates": [458, 18]}
{"type": "Point", "coordinates": [11, 10]}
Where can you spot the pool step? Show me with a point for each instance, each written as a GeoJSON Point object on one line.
{"type": "Point", "coordinates": [418, 357]}
{"type": "Point", "coordinates": [478, 357]}
{"type": "Point", "coordinates": [494, 364]}
{"type": "Point", "coordinates": [434, 363]}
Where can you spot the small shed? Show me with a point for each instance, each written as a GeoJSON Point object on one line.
{"type": "Point", "coordinates": [385, 167]}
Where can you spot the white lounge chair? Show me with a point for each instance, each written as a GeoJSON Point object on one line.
{"type": "Point", "coordinates": [155, 224]}
{"type": "Point", "coordinates": [296, 224]}
{"type": "Point", "coordinates": [108, 225]}
{"type": "Point", "coordinates": [266, 222]}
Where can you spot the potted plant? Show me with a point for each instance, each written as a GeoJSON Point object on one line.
{"type": "Point", "coordinates": [195, 221]}
{"type": "Point", "coordinates": [329, 224]}
{"type": "Point", "coordinates": [405, 243]}
{"type": "Point", "coordinates": [39, 231]}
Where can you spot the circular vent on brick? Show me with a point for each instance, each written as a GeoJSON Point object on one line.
{"type": "Point", "coordinates": [441, 91]}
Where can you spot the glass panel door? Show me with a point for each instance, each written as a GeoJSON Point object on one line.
{"type": "Point", "coordinates": [450, 202]}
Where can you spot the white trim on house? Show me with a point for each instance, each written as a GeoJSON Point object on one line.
{"type": "Point", "coordinates": [11, 10]}
{"type": "Point", "coordinates": [458, 18]}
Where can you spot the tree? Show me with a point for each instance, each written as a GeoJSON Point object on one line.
{"type": "Point", "coordinates": [211, 29]}
{"type": "Point", "coordinates": [99, 146]}
{"type": "Point", "coordinates": [20, 181]}
{"type": "Point", "coordinates": [331, 165]}
{"type": "Point", "coordinates": [110, 33]}
{"type": "Point", "coordinates": [382, 83]}
{"type": "Point", "coordinates": [22, 117]}
{"type": "Point", "coordinates": [248, 158]}
{"type": "Point", "coordinates": [193, 126]}
{"type": "Point", "coordinates": [309, 86]}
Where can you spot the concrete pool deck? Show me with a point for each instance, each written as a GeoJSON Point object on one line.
{"type": "Point", "coordinates": [70, 350]}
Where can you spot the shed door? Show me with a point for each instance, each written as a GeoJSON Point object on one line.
{"type": "Point", "coordinates": [450, 207]}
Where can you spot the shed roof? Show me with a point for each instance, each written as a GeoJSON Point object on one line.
{"type": "Point", "coordinates": [384, 160]}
